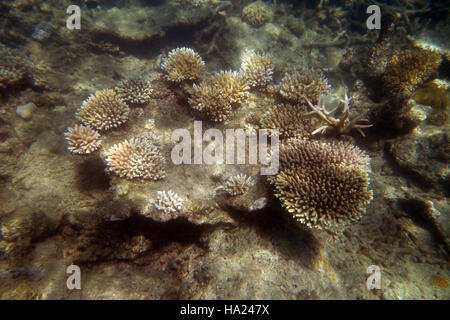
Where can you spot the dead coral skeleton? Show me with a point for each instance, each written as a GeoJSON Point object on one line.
{"type": "Point", "coordinates": [341, 125]}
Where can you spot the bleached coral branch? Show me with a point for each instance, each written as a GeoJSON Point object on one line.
{"type": "Point", "coordinates": [168, 202]}
{"type": "Point", "coordinates": [341, 125]}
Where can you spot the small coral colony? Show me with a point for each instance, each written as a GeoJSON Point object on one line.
{"type": "Point", "coordinates": [322, 180]}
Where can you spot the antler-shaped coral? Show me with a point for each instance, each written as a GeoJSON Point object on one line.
{"type": "Point", "coordinates": [341, 125]}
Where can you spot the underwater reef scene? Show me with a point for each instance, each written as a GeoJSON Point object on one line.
{"type": "Point", "coordinates": [121, 130]}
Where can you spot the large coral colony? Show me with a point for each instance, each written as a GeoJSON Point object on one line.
{"type": "Point", "coordinates": [322, 182]}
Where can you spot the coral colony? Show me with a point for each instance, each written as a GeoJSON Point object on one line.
{"type": "Point", "coordinates": [219, 149]}
{"type": "Point", "coordinates": [168, 202]}
{"type": "Point", "coordinates": [323, 184]}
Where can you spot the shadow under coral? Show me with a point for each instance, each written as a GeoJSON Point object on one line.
{"type": "Point", "coordinates": [290, 239]}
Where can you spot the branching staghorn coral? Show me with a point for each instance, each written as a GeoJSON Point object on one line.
{"type": "Point", "coordinates": [168, 202]}
{"type": "Point", "coordinates": [257, 69]}
{"type": "Point", "coordinates": [137, 157]}
{"type": "Point", "coordinates": [309, 83]}
{"type": "Point", "coordinates": [103, 110]}
{"type": "Point", "coordinates": [183, 64]}
{"type": "Point", "coordinates": [291, 121]}
{"type": "Point", "coordinates": [134, 91]}
{"type": "Point", "coordinates": [323, 184]}
{"type": "Point", "coordinates": [82, 139]}
{"type": "Point", "coordinates": [238, 184]}
{"type": "Point", "coordinates": [257, 13]}
{"type": "Point", "coordinates": [337, 126]}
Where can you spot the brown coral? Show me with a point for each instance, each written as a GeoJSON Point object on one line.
{"type": "Point", "coordinates": [231, 86]}
{"type": "Point", "coordinates": [10, 75]}
{"type": "Point", "coordinates": [257, 69]}
{"type": "Point", "coordinates": [12, 67]}
{"type": "Point", "coordinates": [183, 64]}
{"type": "Point", "coordinates": [257, 13]}
{"type": "Point", "coordinates": [238, 184]}
{"type": "Point", "coordinates": [137, 157]}
{"type": "Point", "coordinates": [206, 99]}
{"type": "Point", "coordinates": [309, 83]}
{"type": "Point", "coordinates": [323, 196]}
{"type": "Point", "coordinates": [291, 121]}
{"type": "Point", "coordinates": [297, 151]}
{"type": "Point", "coordinates": [134, 91]}
{"type": "Point", "coordinates": [217, 97]}
{"type": "Point", "coordinates": [103, 110]}
{"type": "Point", "coordinates": [82, 139]}
{"type": "Point", "coordinates": [407, 70]}
{"type": "Point", "coordinates": [322, 184]}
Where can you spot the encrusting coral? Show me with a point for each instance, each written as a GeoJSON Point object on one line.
{"type": "Point", "coordinates": [182, 64]}
{"type": "Point", "coordinates": [134, 91]}
{"type": "Point", "coordinates": [238, 184]}
{"type": "Point", "coordinates": [82, 139]}
{"type": "Point", "coordinates": [103, 110]}
{"type": "Point", "coordinates": [257, 69]}
{"type": "Point", "coordinates": [341, 125]}
{"type": "Point", "coordinates": [289, 120]}
{"type": "Point", "coordinates": [168, 202]}
{"type": "Point", "coordinates": [257, 13]}
{"type": "Point", "coordinates": [137, 157]}
{"type": "Point", "coordinates": [309, 83]}
{"type": "Point", "coordinates": [323, 184]}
